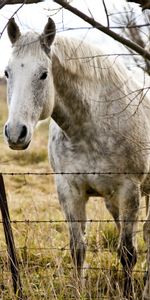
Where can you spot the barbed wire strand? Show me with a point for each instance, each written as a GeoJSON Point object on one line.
{"type": "Point", "coordinates": [71, 173]}
{"type": "Point", "coordinates": [72, 268]}
{"type": "Point", "coordinates": [75, 221]}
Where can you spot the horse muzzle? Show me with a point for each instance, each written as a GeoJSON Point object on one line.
{"type": "Point", "coordinates": [17, 137]}
{"type": "Point", "coordinates": [18, 147]}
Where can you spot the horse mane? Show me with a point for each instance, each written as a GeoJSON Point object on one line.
{"type": "Point", "coordinates": [86, 60]}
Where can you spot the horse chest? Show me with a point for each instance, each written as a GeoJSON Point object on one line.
{"type": "Point", "coordinates": [82, 156]}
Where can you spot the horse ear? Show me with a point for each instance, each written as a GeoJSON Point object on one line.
{"type": "Point", "coordinates": [49, 33]}
{"type": "Point", "coordinates": [13, 31]}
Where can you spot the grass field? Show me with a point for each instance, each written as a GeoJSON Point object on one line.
{"type": "Point", "coordinates": [43, 247]}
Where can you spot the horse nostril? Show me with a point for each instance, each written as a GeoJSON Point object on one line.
{"type": "Point", "coordinates": [23, 132]}
{"type": "Point", "coordinates": [6, 131]}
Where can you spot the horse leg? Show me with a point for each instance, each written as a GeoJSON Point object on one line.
{"type": "Point", "coordinates": [146, 233]}
{"type": "Point", "coordinates": [113, 207]}
{"type": "Point", "coordinates": [129, 205]}
{"type": "Point", "coordinates": [73, 202]}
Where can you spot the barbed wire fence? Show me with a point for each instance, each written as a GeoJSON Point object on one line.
{"type": "Point", "coordinates": [16, 265]}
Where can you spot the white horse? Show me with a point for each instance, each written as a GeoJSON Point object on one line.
{"type": "Point", "coordinates": [100, 133]}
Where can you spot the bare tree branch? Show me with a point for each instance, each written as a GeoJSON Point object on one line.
{"type": "Point", "coordinates": [135, 47]}
{"type": "Point", "coordinates": [5, 2]}
{"type": "Point", "coordinates": [145, 4]}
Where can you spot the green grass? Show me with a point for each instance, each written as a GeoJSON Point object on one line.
{"type": "Point", "coordinates": [43, 252]}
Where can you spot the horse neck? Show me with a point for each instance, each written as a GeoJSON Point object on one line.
{"type": "Point", "coordinates": [71, 110]}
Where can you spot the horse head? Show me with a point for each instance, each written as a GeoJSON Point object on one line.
{"type": "Point", "coordinates": [30, 89]}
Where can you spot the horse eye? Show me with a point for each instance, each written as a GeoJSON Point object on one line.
{"type": "Point", "coordinates": [6, 74]}
{"type": "Point", "coordinates": [43, 76]}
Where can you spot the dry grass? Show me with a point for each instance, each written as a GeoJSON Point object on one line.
{"type": "Point", "coordinates": [43, 248]}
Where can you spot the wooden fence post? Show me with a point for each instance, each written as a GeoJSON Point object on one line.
{"type": "Point", "coordinates": [14, 266]}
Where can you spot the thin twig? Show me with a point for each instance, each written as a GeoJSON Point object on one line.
{"type": "Point", "coordinates": [106, 12]}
